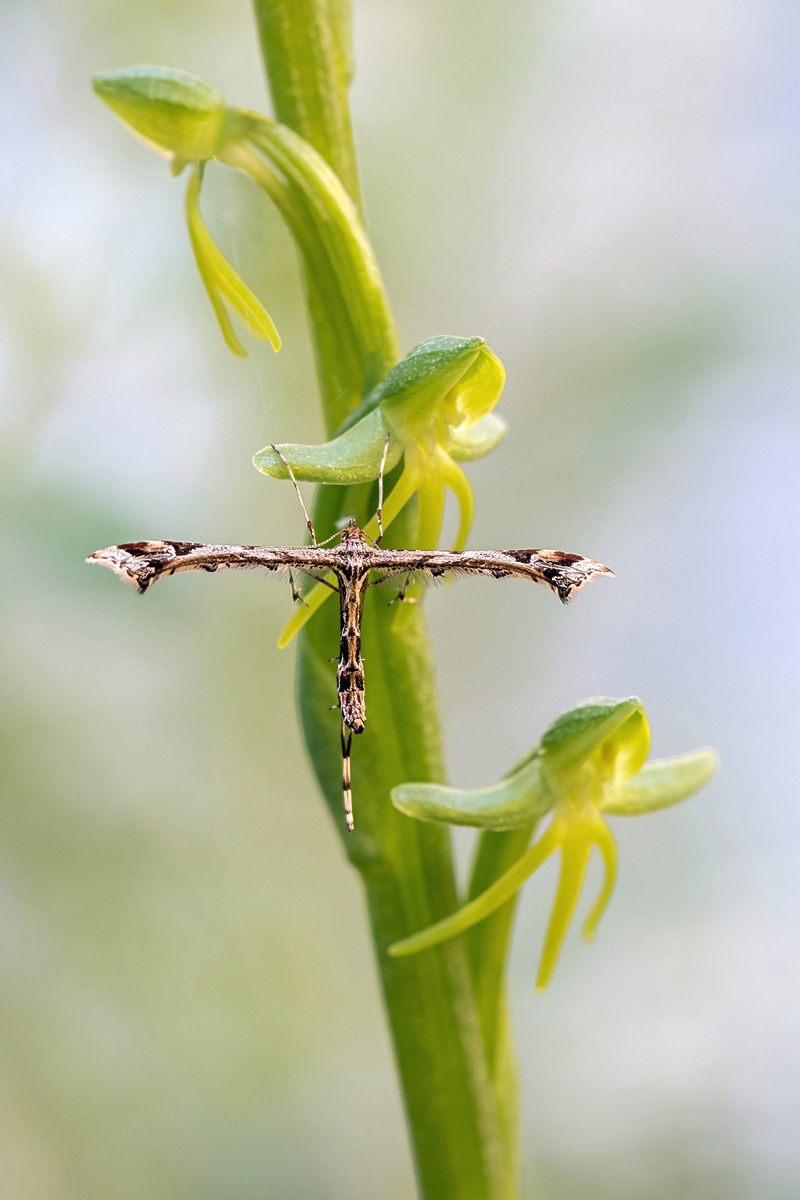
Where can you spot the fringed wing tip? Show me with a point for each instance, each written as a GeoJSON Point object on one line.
{"type": "Point", "coordinates": [590, 570]}
{"type": "Point", "coordinates": [123, 564]}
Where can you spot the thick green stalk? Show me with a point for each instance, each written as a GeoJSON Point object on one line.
{"type": "Point", "coordinates": [457, 1120]}
{"type": "Point", "coordinates": [307, 53]}
{"type": "Point", "coordinates": [306, 46]}
{"type": "Point", "coordinates": [487, 948]}
{"type": "Point", "coordinates": [487, 942]}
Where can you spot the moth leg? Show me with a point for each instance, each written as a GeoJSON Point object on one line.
{"type": "Point", "coordinates": [318, 578]}
{"type": "Point", "coordinates": [379, 513]}
{"type": "Point", "coordinates": [295, 594]}
{"type": "Point", "coordinates": [299, 496]}
{"type": "Point", "coordinates": [347, 794]}
{"type": "Point", "coordinates": [401, 595]}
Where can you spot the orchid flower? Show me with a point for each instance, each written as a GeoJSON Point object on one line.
{"type": "Point", "coordinates": [435, 409]}
{"type": "Point", "coordinates": [178, 115]}
{"type": "Point", "coordinates": [591, 762]}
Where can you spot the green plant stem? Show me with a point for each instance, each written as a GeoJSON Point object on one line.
{"type": "Point", "coordinates": [487, 942]}
{"type": "Point", "coordinates": [487, 949]}
{"type": "Point", "coordinates": [306, 45]}
{"type": "Point", "coordinates": [456, 1117]}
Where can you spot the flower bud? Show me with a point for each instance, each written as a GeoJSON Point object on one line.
{"type": "Point", "coordinates": [172, 111]}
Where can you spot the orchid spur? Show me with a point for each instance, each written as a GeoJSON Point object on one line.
{"type": "Point", "coordinates": [589, 763]}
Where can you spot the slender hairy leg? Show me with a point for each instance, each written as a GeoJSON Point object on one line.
{"type": "Point", "coordinates": [309, 522]}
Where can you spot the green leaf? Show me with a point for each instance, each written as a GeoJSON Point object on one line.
{"type": "Point", "coordinates": [664, 782]}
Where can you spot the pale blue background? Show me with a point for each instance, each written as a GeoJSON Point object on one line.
{"type": "Point", "coordinates": [607, 190]}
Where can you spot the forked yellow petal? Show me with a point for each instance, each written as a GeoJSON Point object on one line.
{"type": "Point", "coordinates": [575, 853]}
{"type": "Point", "coordinates": [485, 904]}
{"type": "Point", "coordinates": [604, 840]}
{"type": "Point", "coordinates": [221, 280]}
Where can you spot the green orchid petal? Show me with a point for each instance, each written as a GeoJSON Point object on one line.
{"type": "Point", "coordinates": [604, 841]}
{"type": "Point", "coordinates": [454, 478]}
{"type": "Point", "coordinates": [478, 389]}
{"type": "Point", "coordinates": [412, 393]}
{"type": "Point", "coordinates": [476, 441]}
{"type": "Point", "coordinates": [221, 281]}
{"type": "Point", "coordinates": [518, 800]}
{"type": "Point", "coordinates": [485, 904]}
{"type": "Point", "coordinates": [170, 110]}
{"type": "Point", "coordinates": [614, 734]}
{"type": "Point", "coordinates": [575, 854]}
{"type": "Point", "coordinates": [664, 782]}
{"type": "Point", "coordinates": [590, 759]}
{"type": "Point", "coordinates": [353, 457]}
{"type": "Point", "coordinates": [577, 832]}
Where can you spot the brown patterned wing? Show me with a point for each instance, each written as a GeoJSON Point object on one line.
{"type": "Point", "coordinates": [143, 563]}
{"type": "Point", "coordinates": [565, 574]}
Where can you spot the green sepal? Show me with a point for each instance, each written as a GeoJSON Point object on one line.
{"type": "Point", "coordinates": [664, 782]}
{"type": "Point", "coordinates": [171, 110]}
{"type": "Point", "coordinates": [413, 391]}
{"type": "Point", "coordinates": [353, 457]}
{"type": "Point", "coordinates": [518, 800]}
{"type": "Point", "coordinates": [613, 733]}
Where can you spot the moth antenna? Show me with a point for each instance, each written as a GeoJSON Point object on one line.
{"type": "Point", "coordinates": [347, 738]}
{"type": "Point", "coordinates": [299, 496]}
{"type": "Point", "coordinates": [379, 513]}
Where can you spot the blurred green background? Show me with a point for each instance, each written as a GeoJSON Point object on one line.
{"type": "Point", "coordinates": [607, 190]}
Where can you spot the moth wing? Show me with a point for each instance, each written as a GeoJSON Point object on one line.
{"type": "Point", "coordinates": [565, 574]}
{"type": "Point", "coordinates": [144, 563]}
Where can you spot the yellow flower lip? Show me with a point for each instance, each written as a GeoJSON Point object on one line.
{"type": "Point", "coordinates": [222, 282]}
